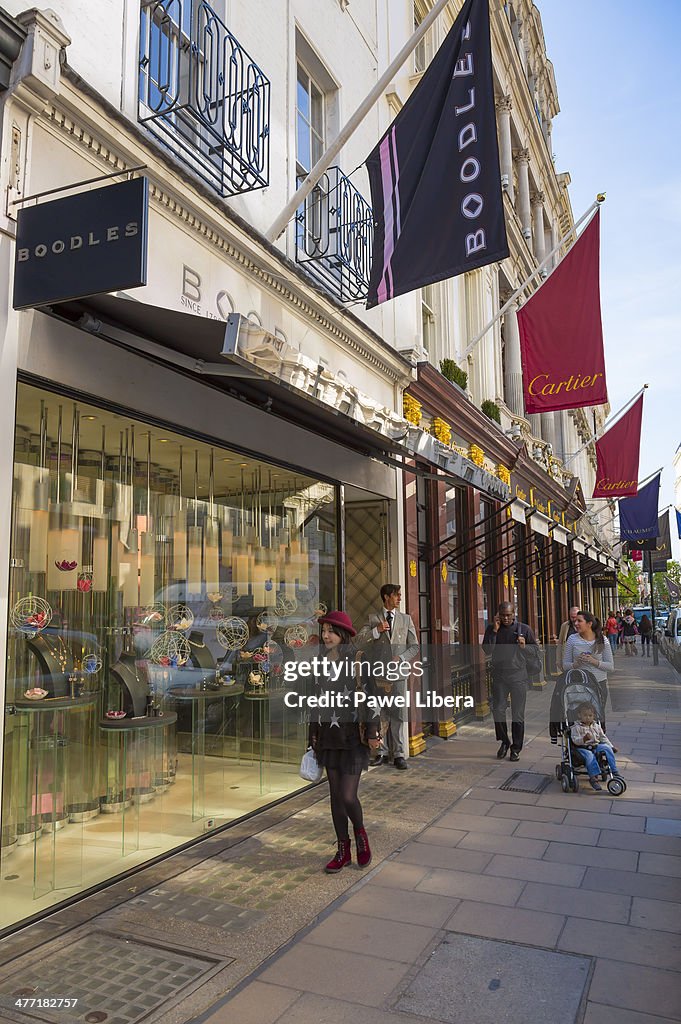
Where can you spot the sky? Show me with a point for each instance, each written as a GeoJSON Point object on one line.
{"type": "Point", "coordinates": [619, 89]}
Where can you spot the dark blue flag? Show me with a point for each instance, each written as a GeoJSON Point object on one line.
{"type": "Point", "coordinates": [638, 515]}
{"type": "Point", "coordinates": [435, 178]}
{"type": "Point", "coordinates": [678, 522]}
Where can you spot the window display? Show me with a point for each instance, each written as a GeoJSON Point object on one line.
{"type": "Point", "coordinates": [157, 586]}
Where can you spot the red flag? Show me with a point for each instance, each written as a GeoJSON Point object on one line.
{"type": "Point", "coordinates": [636, 555]}
{"type": "Point", "coordinates": [561, 338]}
{"type": "Point", "coordinates": [617, 456]}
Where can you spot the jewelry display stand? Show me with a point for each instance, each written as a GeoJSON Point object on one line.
{"type": "Point", "coordinates": [55, 660]}
{"type": "Point", "coordinates": [135, 690]}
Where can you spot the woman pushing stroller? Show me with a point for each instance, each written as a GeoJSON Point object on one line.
{"type": "Point", "coordinates": [587, 649]}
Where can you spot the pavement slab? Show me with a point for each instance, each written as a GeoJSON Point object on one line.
{"type": "Point", "coordinates": [529, 927]}
{"type": "Point", "coordinates": [257, 1004]}
{"type": "Point", "coordinates": [576, 902]}
{"type": "Point", "coordinates": [464, 885]}
{"type": "Point", "coordinates": [312, 1009]}
{"type": "Point", "coordinates": [309, 968]}
{"type": "Point", "coordinates": [442, 857]}
{"type": "Point", "coordinates": [632, 945]}
{"type": "Point", "coordinates": [549, 906]}
{"type": "Point", "coordinates": [589, 856]}
{"type": "Point", "coordinates": [400, 905]}
{"type": "Point", "coordinates": [359, 933]}
{"type": "Point", "coordinates": [598, 1013]}
{"type": "Point", "coordinates": [655, 914]}
{"type": "Point", "coordinates": [655, 887]}
{"type": "Point", "coordinates": [482, 981]}
{"type": "Point", "coordinates": [645, 989]}
{"type": "Point", "coordinates": [535, 871]}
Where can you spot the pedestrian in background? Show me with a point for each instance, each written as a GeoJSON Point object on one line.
{"type": "Point", "coordinates": [567, 629]}
{"type": "Point", "coordinates": [645, 628]}
{"type": "Point", "coordinates": [629, 633]}
{"type": "Point", "coordinates": [612, 631]}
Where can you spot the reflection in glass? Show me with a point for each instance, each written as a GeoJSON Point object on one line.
{"type": "Point", "coordinates": [157, 586]}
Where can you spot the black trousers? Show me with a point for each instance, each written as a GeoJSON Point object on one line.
{"type": "Point", "coordinates": [518, 694]}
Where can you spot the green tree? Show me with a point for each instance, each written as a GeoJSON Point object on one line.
{"type": "Point", "coordinates": [627, 583]}
{"type": "Point", "coordinates": [661, 591]}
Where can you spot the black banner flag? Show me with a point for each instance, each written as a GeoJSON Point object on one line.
{"type": "Point", "coordinates": [434, 176]}
{"type": "Point", "coordinates": [663, 545]}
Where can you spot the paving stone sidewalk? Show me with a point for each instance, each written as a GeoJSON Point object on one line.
{"type": "Point", "coordinates": [482, 904]}
{"type": "Point", "coordinates": [511, 906]}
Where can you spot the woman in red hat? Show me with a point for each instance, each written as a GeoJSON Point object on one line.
{"type": "Point", "coordinates": [336, 738]}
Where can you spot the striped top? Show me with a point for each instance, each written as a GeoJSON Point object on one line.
{"type": "Point", "coordinates": [574, 646]}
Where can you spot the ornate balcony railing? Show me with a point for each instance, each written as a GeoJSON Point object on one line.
{"type": "Point", "coordinates": [334, 235]}
{"type": "Point", "coordinates": [203, 96]}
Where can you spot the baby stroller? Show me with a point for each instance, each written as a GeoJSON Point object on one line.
{"type": "Point", "coordinates": [576, 687]}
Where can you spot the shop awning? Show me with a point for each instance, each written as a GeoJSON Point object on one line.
{"type": "Point", "coordinates": [204, 347]}
{"type": "Point", "coordinates": [539, 523]}
{"type": "Point", "coordinates": [579, 546]}
{"type": "Point", "coordinates": [560, 534]}
{"type": "Point", "coordinates": [241, 357]}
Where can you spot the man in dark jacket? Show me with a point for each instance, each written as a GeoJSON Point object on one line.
{"type": "Point", "coordinates": [515, 656]}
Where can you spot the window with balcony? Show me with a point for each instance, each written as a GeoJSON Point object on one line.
{"type": "Point", "coordinates": [334, 225]}
{"type": "Point", "coordinates": [203, 96]}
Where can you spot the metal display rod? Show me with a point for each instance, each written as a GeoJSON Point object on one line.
{"type": "Point", "coordinates": [279, 225]}
{"type": "Point", "coordinates": [78, 184]}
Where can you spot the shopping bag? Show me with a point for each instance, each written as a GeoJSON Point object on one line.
{"type": "Point", "coordinates": [310, 769]}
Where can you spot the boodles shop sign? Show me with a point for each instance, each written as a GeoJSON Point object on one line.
{"type": "Point", "coordinates": [81, 245]}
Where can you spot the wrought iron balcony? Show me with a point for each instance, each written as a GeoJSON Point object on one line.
{"type": "Point", "coordinates": [334, 235]}
{"type": "Point", "coordinates": [203, 96]}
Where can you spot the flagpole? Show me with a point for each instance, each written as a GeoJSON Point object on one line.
{"type": "Point", "coordinates": [590, 214]}
{"type": "Point", "coordinates": [611, 423]}
{"type": "Point", "coordinates": [279, 225]}
{"type": "Point", "coordinates": [647, 480]}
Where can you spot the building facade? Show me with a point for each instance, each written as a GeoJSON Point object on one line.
{"type": "Point", "coordinates": [542, 549]}
{"type": "Point", "coordinates": [202, 462]}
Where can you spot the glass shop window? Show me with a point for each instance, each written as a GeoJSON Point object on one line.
{"type": "Point", "coordinates": [158, 586]}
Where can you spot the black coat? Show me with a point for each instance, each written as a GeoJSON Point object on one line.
{"type": "Point", "coordinates": [511, 663]}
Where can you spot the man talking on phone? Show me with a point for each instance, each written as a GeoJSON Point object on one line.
{"type": "Point", "coordinates": [515, 657]}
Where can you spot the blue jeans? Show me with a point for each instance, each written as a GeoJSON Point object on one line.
{"type": "Point", "coordinates": [613, 642]}
{"type": "Point", "coordinates": [591, 761]}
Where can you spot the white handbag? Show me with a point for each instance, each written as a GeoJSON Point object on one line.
{"type": "Point", "coordinates": [310, 769]}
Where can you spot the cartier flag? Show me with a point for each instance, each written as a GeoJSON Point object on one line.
{"type": "Point", "coordinates": [617, 454]}
{"type": "Point", "coordinates": [434, 176]}
{"type": "Point", "coordinates": [638, 516]}
{"type": "Point", "coordinates": [561, 338]}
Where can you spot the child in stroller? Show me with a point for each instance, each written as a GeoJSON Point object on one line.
{"type": "Point", "coordinates": [575, 689]}
{"type": "Point", "coordinates": [592, 744]}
